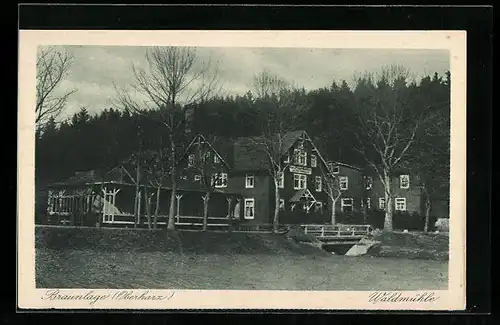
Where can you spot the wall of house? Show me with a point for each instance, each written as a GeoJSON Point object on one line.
{"type": "Point", "coordinates": [260, 193]}
{"type": "Point", "coordinates": [413, 194]}
{"type": "Point", "coordinates": [355, 188]}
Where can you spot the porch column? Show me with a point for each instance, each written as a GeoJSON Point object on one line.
{"type": "Point", "coordinates": [178, 197]}
{"type": "Point", "coordinates": [229, 213]}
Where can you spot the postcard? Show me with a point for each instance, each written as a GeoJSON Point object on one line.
{"type": "Point", "coordinates": [165, 170]}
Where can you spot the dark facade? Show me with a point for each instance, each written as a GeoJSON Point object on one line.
{"type": "Point", "coordinates": [236, 174]}
{"type": "Point", "coordinates": [353, 187]}
{"type": "Point", "coordinates": [408, 196]}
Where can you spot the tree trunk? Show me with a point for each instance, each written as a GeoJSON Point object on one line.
{"type": "Point", "coordinates": [157, 208]}
{"type": "Point", "coordinates": [137, 193]}
{"type": "Point", "coordinates": [206, 199]}
{"type": "Point", "coordinates": [388, 201]}
{"type": "Point", "coordinates": [364, 210]}
{"type": "Point", "coordinates": [427, 209]}
{"type": "Point", "coordinates": [276, 207]}
{"type": "Point", "coordinates": [147, 202]}
{"type": "Point", "coordinates": [171, 212]}
{"type": "Point", "coordinates": [334, 206]}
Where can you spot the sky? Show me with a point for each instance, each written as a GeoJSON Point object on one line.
{"type": "Point", "coordinates": [96, 69]}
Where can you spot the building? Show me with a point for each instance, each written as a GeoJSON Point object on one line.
{"type": "Point", "coordinates": [352, 187]}
{"type": "Point", "coordinates": [233, 179]}
{"type": "Point", "coordinates": [242, 166]}
{"type": "Point", "coordinates": [408, 196]}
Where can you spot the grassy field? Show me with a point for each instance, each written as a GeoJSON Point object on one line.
{"type": "Point", "coordinates": [160, 270]}
{"type": "Point", "coordinates": [127, 259]}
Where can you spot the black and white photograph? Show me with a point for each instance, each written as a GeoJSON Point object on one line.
{"type": "Point", "coordinates": [162, 168]}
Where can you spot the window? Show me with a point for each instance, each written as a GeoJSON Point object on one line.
{"type": "Point", "coordinates": [404, 181]}
{"type": "Point", "coordinates": [300, 157]}
{"type": "Point", "coordinates": [249, 208]}
{"type": "Point", "coordinates": [249, 181]}
{"type": "Point", "coordinates": [346, 204]}
{"type": "Point", "coordinates": [344, 182]}
{"type": "Point", "coordinates": [319, 184]}
{"type": "Point", "coordinates": [299, 181]}
{"type": "Point", "coordinates": [368, 203]}
{"type": "Point", "coordinates": [191, 160]}
{"type": "Point", "coordinates": [368, 182]}
{"type": "Point", "coordinates": [197, 178]}
{"type": "Point", "coordinates": [206, 156]}
{"type": "Point", "coordinates": [318, 207]}
{"type": "Point", "coordinates": [220, 180]}
{"type": "Point", "coordinates": [282, 205]}
{"type": "Point", "coordinates": [216, 159]}
{"type": "Point", "coordinates": [314, 163]}
{"type": "Point", "coordinates": [281, 180]}
{"type": "Point", "coordinates": [287, 158]}
{"type": "Point", "coordinates": [400, 204]}
{"type": "Point", "coordinates": [381, 203]}
{"type": "Point", "coordinates": [334, 169]}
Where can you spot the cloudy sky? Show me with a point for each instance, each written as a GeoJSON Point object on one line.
{"type": "Point", "coordinates": [96, 68]}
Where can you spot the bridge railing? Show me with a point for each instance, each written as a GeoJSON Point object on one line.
{"type": "Point", "coordinates": [337, 231]}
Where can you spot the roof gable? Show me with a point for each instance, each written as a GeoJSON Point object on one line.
{"type": "Point", "coordinates": [249, 156]}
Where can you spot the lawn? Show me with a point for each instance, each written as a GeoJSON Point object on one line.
{"type": "Point", "coordinates": [87, 268]}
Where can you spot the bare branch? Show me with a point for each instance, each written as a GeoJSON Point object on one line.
{"type": "Point", "coordinates": [52, 67]}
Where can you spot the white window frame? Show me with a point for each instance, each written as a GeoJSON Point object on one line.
{"type": "Point", "coordinates": [287, 158]}
{"type": "Point", "coordinates": [368, 203]}
{"type": "Point", "coordinates": [314, 161]}
{"type": "Point", "coordinates": [381, 203]}
{"type": "Point", "coordinates": [402, 180]}
{"type": "Point", "coordinates": [402, 201]}
{"type": "Point", "coordinates": [282, 205]}
{"type": "Point", "coordinates": [318, 205]}
{"type": "Point", "coordinates": [281, 179]}
{"type": "Point", "coordinates": [369, 182]}
{"type": "Point", "coordinates": [318, 181]}
{"type": "Point", "coordinates": [333, 168]}
{"type": "Point", "coordinates": [197, 177]}
{"type": "Point", "coordinates": [191, 158]}
{"type": "Point", "coordinates": [302, 179]}
{"type": "Point", "coordinates": [341, 182]}
{"type": "Point", "coordinates": [250, 203]}
{"type": "Point", "coordinates": [343, 204]}
{"type": "Point", "coordinates": [300, 157]}
{"type": "Point", "coordinates": [249, 178]}
{"type": "Point", "coordinates": [222, 178]}
{"type": "Point", "coordinates": [216, 159]}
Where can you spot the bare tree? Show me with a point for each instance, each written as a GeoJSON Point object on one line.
{"type": "Point", "coordinates": [387, 128]}
{"type": "Point", "coordinates": [210, 174]}
{"type": "Point", "coordinates": [52, 67]}
{"type": "Point", "coordinates": [172, 81]}
{"type": "Point", "coordinates": [155, 167]}
{"type": "Point", "coordinates": [279, 111]}
{"type": "Point", "coordinates": [333, 190]}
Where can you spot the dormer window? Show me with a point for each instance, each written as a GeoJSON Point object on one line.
{"type": "Point", "coordinates": [334, 169]}
{"type": "Point", "coordinates": [300, 157]}
{"type": "Point", "coordinates": [368, 182]}
{"type": "Point", "coordinates": [216, 159]}
{"type": "Point", "coordinates": [314, 162]}
{"type": "Point", "coordinates": [191, 160]}
{"type": "Point", "coordinates": [404, 181]}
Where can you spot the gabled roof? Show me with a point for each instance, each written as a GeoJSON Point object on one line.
{"type": "Point", "coordinates": [345, 165]}
{"type": "Point", "coordinates": [248, 156]}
